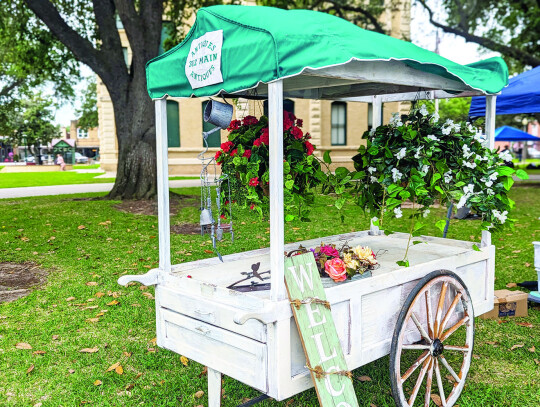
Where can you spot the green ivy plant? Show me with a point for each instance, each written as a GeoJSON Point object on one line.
{"type": "Point", "coordinates": [244, 157]}
{"type": "Point", "coordinates": [418, 158]}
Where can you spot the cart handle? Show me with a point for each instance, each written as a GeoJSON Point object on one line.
{"type": "Point", "coordinates": [150, 278]}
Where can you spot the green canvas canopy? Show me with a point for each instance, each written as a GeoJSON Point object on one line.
{"type": "Point", "coordinates": [238, 50]}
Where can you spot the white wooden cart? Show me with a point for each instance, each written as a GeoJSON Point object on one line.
{"type": "Point", "coordinates": [251, 336]}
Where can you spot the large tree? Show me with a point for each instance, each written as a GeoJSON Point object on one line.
{"type": "Point", "coordinates": [89, 29]}
{"type": "Point", "coordinates": [506, 26]}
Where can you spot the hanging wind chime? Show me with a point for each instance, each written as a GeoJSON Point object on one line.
{"type": "Point", "coordinates": [220, 115]}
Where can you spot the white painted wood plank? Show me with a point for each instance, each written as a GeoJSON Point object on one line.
{"type": "Point", "coordinates": [491, 103]}
{"type": "Point", "coordinates": [376, 111]}
{"type": "Point", "coordinates": [410, 96]}
{"type": "Point", "coordinates": [233, 355]}
{"type": "Point", "coordinates": [214, 388]}
{"type": "Point", "coordinates": [164, 228]}
{"type": "Point", "coordinates": [277, 218]}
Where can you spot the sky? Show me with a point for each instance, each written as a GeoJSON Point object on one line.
{"type": "Point", "coordinates": [423, 34]}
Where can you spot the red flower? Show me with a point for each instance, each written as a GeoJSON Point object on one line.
{"type": "Point", "coordinates": [247, 153]}
{"type": "Point", "coordinates": [299, 122]}
{"type": "Point", "coordinates": [226, 147]}
{"type": "Point", "coordinates": [218, 153]}
{"type": "Point", "coordinates": [257, 142]}
{"type": "Point", "coordinates": [252, 206]}
{"type": "Point", "coordinates": [265, 137]}
{"type": "Point", "coordinates": [297, 133]}
{"type": "Point", "coordinates": [308, 136]}
{"type": "Point", "coordinates": [223, 217]}
{"type": "Point", "coordinates": [253, 182]}
{"type": "Point", "coordinates": [250, 120]}
{"type": "Point", "coordinates": [235, 125]}
{"type": "Point", "coordinates": [233, 153]}
{"type": "Point", "coordinates": [309, 148]}
{"type": "Point", "coordinates": [287, 123]}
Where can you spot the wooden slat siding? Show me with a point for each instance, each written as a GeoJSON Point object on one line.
{"type": "Point", "coordinates": [327, 331]}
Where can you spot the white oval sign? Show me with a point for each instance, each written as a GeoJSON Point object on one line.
{"type": "Point", "coordinates": [203, 65]}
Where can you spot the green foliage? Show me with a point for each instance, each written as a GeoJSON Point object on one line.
{"type": "Point", "coordinates": [419, 158]}
{"type": "Point", "coordinates": [245, 160]}
{"type": "Point", "coordinates": [88, 114]}
{"type": "Point", "coordinates": [31, 125]}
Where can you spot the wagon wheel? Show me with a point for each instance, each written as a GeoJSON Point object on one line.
{"type": "Point", "coordinates": [434, 332]}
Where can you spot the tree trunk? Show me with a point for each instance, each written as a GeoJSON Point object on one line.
{"type": "Point", "coordinates": [136, 176]}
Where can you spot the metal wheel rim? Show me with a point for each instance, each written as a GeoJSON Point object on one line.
{"type": "Point", "coordinates": [431, 364]}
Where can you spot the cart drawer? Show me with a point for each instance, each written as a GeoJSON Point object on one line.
{"type": "Point", "coordinates": [231, 354]}
{"type": "Point", "coordinates": [211, 312]}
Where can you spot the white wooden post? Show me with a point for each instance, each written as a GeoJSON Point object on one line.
{"type": "Point", "coordinates": [277, 218]}
{"type": "Point", "coordinates": [490, 143]}
{"type": "Point", "coordinates": [163, 186]}
{"type": "Point", "coordinates": [214, 388]}
{"type": "Point", "coordinates": [377, 111]}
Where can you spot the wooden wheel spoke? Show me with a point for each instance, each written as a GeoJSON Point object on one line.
{"type": "Point", "coordinates": [428, 382]}
{"type": "Point", "coordinates": [449, 368]}
{"type": "Point", "coordinates": [415, 365]}
{"type": "Point", "coordinates": [415, 346]}
{"type": "Point", "coordinates": [449, 313]}
{"type": "Point", "coordinates": [457, 348]}
{"type": "Point", "coordinates": [440, 305]}
{"type": "Point", "coordinates": [440, 383]}
{"type": "Point", "coordinates": [428, 314]}
{"type": "Point", "coordinates": [451, 330]}
{"type": "Point", "coordinates": [418, 383]}
{"type": "Point", "coordinates": [420, 328]}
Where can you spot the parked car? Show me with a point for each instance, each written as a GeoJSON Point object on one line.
{"type": "Point", "coordinates": [80, 159]}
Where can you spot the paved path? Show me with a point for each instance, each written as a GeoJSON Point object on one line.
{"type": "Point", "coordinates": [78, 189]}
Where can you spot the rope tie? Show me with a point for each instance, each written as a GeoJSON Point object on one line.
{"type": "Point", "coordinates": [321, 374]}
{"type": "Point", "coordinates": [309, 300]}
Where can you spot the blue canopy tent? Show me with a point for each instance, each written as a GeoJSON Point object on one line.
{"type": "Point", "coordinates": [507, 133]}
{"type": "Point", "coordinates": [522, 95]}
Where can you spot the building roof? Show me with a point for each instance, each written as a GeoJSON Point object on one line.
{"type": "Point", "coordinates": [233, 49]}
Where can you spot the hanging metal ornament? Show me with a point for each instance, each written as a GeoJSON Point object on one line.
{"type": "Point", "coordinates": [220, 115]}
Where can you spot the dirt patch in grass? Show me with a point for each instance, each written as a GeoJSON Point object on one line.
{"type": "Point", "coordinates": [150, 206]}
{"type": "Point", "coordinates": [16, 280]}
{"type": "Point", "coordinates": [186, 229]}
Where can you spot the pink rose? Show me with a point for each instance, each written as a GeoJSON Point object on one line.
{"type": "Point", "coordinates": [329, 251]}
{"type": "Point", "coordinates": [336, 269]}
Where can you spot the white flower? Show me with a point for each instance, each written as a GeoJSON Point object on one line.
{"type": "Point", "coordinates": [489, 183]}
{"type": "Point", "coordinates": [466, 151]}
{"type": "Point", "coordinates": [490, 191]}
{"type": "Point", "coordinates": [372, 131]}
{"type": "Point", "coordinates": [398, 212]}
{"type": "Point", "coordinates": [468, 189]}
{"type": "Point", "coordinates": [500, 216]}
{"type": "Point", "coordinates": [493, 176]}
{"type": "Point", "coordinates": [471, 128]}
{"type": "Point", "coordinates": [457, 127]}
{"type": "Point", "coordinates": [435, 117]}
{"type": "Point", "coordinates": [396, 175]}
{"type": "Point", "coordinates": [417, 154]}
{"type": "Point", "coordinates": [448, 177]}
{"type": "Point", "coordinates": [401, 153]}
{"type": "Point", "coordinates": [373, 179]}
{"type": "Point", "coordinates": [505, 156]}
{"type": "Point", "coordinates": [425, 169]}
{"type": "Point", "coordinates": [446, 130]}
{"type": "Point", "coordinates": [479, 137]}
{"type": "Point", "coordinates": [395, 120]}
{"type": "Point", "coordinates": [372, 170]}
{"type": "Point", "coordinates": [449, 122]}
{"type": "Point", "coordinates": [423, 110]}
{"type": "Point", "coordinates": [471, 165]}
{"type": "Point", "coordinates": [462, 201]}
{"type": "Point", "coordinates": [432, 137]}
{"type": "Point", "coordinates": [426, 213]}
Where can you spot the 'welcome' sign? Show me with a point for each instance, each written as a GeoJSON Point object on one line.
{"type": "Point", "coordinates": [203, 64]}
{"type": "Point", "coordinates": [318, 333]}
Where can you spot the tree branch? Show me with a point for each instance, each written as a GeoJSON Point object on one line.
{"type": "Point", "coordinates": [8, 88]}
{"type": "Point", "coordinates": [357, 9]}
{"type": "Point", "coordinates": [512, 52]}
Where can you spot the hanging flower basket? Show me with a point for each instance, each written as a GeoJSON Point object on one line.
{"type": "Point", "coordinates": [244, 157]}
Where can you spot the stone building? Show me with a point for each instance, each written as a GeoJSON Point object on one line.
{"type": "Point", "coordinates": [334, 126]}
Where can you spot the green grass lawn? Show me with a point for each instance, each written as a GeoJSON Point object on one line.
{"type": "Point", "coordinates": [35, 179]}
{"type": "Point", "coordinates": [87, 245]}
{"type": "Point", "coordinates": [85, 166]}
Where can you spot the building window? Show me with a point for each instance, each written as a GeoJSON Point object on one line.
{"type": "Point", "coordinates": [339, 123]}
{"type": "Point", "coordinates": [82, 133]}
{"type": "Point", "coordinates": [288, 106]}
{"type": "Point", "coordinates": [173, 124]}
{"type": "Point", "coordinates": [214, 139]}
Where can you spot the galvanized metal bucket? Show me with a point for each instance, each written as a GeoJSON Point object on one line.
{"type": "Point", "coordinates": [219, 114]}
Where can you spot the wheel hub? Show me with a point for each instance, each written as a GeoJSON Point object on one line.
{"type": "Point", "coordinates": [437, 348]}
